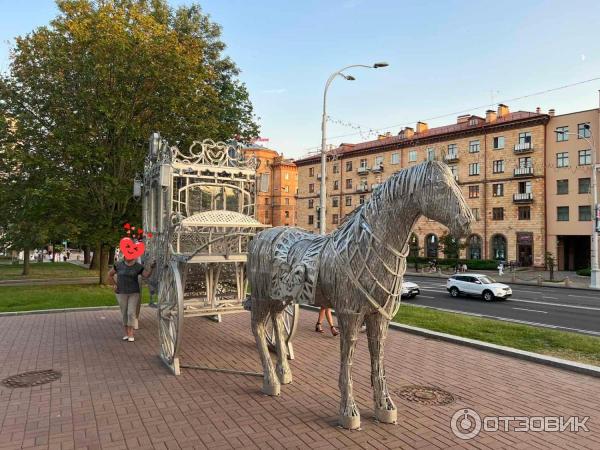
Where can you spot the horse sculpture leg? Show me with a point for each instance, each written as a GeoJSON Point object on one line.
{"type": "Point", "coordinates": [283, 368]}
{"type": "Point", "coordinates": [385, 410]}
{"type": "Point", "coordinates": [260, 315]}
{"type": "Point", "coordinates": [349, 325]}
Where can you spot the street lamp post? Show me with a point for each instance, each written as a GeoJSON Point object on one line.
{"type": "Point", "coordinates": [323, 190]}
{"type": "Point", "coordinates": [595, 271]}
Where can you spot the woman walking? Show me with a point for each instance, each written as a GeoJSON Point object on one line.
{"type": "Point", "coordinates": [323, 313]}
{"type": "Point", "coordinates": [127, 290]}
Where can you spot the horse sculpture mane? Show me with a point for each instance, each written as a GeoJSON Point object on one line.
{"type": "Point", "coordinates": [357, 269]}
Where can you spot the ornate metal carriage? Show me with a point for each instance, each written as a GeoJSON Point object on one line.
{"type": "Point", "coordinates": [200, 207]}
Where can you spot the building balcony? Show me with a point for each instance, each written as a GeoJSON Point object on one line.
{"type": "Point", "coordinates": [525, 147]}
{"type": "Point", "coordinates": [526, 171]}
{"type": "Point", "coordinates": [377, 169]}
{"type": "Point", "coordinates": [451, 157]}
{"type": "Point", "coordinates": [362, 188]}
{"type": "Point", "coordinates": [523, 197]}
{"type": "Point", "coordinates": [362, 169]}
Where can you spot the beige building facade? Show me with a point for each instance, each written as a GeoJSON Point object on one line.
{"type": "Point", "coordinates": [499, 163]}
{"type": "Point", "coordinates": [570, 211]}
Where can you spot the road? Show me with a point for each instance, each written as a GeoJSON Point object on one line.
{"type": "Point", "coordinates": [564, 309]}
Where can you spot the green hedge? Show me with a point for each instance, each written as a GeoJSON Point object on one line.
{"type": "Point", "coordinates": [584, 272]}
{"type": "Point", "coordinates": [472, 264]}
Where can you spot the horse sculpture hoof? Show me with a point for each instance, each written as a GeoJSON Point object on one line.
{"type": "Point", "coordinates": [386, 415]}
{"type": "Point", "coordinates": [273, 390]}
{"type": "Point", "coordinates": [350, 422]}
{"type": "Point", "coordinates": [285, 378]}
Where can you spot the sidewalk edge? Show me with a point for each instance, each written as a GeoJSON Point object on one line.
{"type": "Point", "coordinates": [560, 363]}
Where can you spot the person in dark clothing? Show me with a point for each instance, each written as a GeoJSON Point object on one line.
{"type": "Point", "coordinates": [127, 289]}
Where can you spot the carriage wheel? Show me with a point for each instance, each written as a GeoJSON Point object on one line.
{"type": "Point", "coordinates": [291, 314]}
{"type": "Point", "coordinates": [170, 315]}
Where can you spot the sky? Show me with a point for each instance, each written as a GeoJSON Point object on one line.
{"type": "Point", "coordinates": [445, 58]}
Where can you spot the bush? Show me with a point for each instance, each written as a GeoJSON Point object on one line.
{"type": "Point", "coordinates": [472, 264]}
{"type": "Point", "coordinates": [584, 272]}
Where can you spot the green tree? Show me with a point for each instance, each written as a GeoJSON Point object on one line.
{"type": "Point", "coordinates": [85, 92]}
{"type": "Point", "coordinates": [451, 246]}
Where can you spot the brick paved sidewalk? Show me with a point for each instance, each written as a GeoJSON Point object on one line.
{"type": "Point", "coordinates": [115, 394]}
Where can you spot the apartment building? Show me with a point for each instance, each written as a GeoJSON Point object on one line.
{"type": "Point", "coordinates": [569, 210]}
{"type": "Point", "coordinates": [277, 183]}
{"type": "Point", "coordinates": [498, 161]}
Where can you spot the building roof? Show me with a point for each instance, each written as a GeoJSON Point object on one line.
{"type": "Point", "coordinates": [403, 141]}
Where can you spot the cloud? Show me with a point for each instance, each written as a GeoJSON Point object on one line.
{"type": "Point", "coordinates": [274, 91]}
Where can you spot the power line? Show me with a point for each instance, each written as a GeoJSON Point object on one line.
{"type": "Point", "coordinates": [487, 105]}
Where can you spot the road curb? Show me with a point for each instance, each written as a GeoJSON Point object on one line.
{"type": "Point", "coordinates": [521, 283]}
{"type": "Point", "coordinates": [560, 363]}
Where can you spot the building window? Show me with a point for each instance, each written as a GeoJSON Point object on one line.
{"type": "Point", "coordinates": [348, 166]}
{"type": "Point", "coordinates": [562, 213]}
{"type": "Point", "coordinates": [474, 147]}
{"type": "Point", "coordinates": [287, 214]}
{"type": "Point", "coordinates": [562, 159]}
{"type": "Point", "coordinates": [525, 138]}
{"type": "Point", "coordinates": [454, 170]}
{"type": "Point", "coordinates": [585, 157]}
{"type": "Point", "coordinates": [412, 156]}
{"type": "Point", "coordinates": [363, 164]}
{"type": "Point", "coordinates": [524, 187]}
{"type": "Point", "coordinates": [474, 191]}
{"type": "Point", "coordinates": [524, 213]}
{"type": "Point", "coordinates": [311, 171]}
{"type": "Point", "coordinates": [264, 182]}
{"type": "Point", "coordinates": [336, 185]}
{"type": "Point", "coordinates": [498, 190]}
{"type": "Point", "coordinates": [584, 186]}
{"type": "Point", "coordinates": [475, 212]}
{"type": "Point", "coordinates": [335, 219]}
{"type": "Point", "coordinates": [474, 247]}
{"type": "Point", "coordinates": [336, 168]}
{"type": "Point", "coordinates": [498, 166]}
{"type": "Point", "coordinates": [311, 203]}
{"type": "Point", "coordinates": [525, 161]}
{"type": "Point", "coordinates": [286, 176]}
{"type": "Point", "coordinates": [499, 247]}
{"type": "Point", "coordinates": [474, 169]}
{"type": "Point", "coordinates": [498, 213]}
{"type": "Point", "coordinates": [287, 201]}
{"type": "Point", "coordinates": [335, 202]}
{"type": "Point", "coordinates": [348, 183]}
{"type": "Point", "coordinates": [311, 220]}
{"type": "Point", "coordinates": [498, 142]}
{"type": "Point", "coordinates": [562, 187]}
{"type": "Point", "coordinates": [561, 134]}
{"type": "Point", "coordinates": [583, 130]}
{"type": "Point", "coordinates": [395, 158]}
{"type": "Point", "coordinates": [585, 213]}
{"type": "Point", "coordinates": [452, 150]}
{"type": "Point", "coordinates": [361, 199]}
{"type": "Point", "coordinates": [348, 200]}
{"type": "Point", "coordinates": [311, 188]}
{"type": "Point", "coordinates": [431, 246]}
{"type": "Point", "coordinates": [430, 154]}
{"type": "Point", "coordinates": [378, 161]}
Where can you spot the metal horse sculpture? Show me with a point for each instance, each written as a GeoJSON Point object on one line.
{"type": "Point", "coordinates": [357, 270]}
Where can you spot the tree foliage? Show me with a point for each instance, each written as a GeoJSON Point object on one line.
{"type": "Point", "coordinates": [81, 98]}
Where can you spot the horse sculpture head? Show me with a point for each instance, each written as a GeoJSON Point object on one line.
{"type": "Point", "coordinates": [442, 200]}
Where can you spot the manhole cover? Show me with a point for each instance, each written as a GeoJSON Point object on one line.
{"type": "Point", "coordinates": [425, 395]}
{"type": "Point", "coordinates": [33, 378]}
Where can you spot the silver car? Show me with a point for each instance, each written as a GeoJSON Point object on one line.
{"type": "Point", "coordinates": [410, 290]}
{"type": "Point", "coordinates": [479, 285]}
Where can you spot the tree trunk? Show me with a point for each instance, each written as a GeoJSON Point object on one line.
{"type": "Point", "coordinates": [95, 264]}
{"type": "Point", "coordinates": [86, 254]}
{"type": "Point", "coordinates": [103, 260]}
{"type": "Point", "coordinates": [26, 268]}
{"type": "Point", "coordinates": [111, 255]}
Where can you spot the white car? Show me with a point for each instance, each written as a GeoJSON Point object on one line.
{"type": "Point", "coordinates": [477, 284]}
{"type": "Point", "coordinates": [410, 290]}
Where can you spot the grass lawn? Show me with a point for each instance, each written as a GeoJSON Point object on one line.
{"type": "Point", "coordinates": [45, 270]}
{"type": "Point", "coordinates": [28, 298]}
{"type": "Point", "coordinates": [561, 344]}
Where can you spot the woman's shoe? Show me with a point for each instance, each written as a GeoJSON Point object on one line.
{"type": "Point", "coordinates": [334, 331]}
{"type": "Point", "coordinates": [131, 339]}
{"type": "Point", "coordinates": [319, 328]}
{"type": "Point", "coordinates": [125, 338]}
